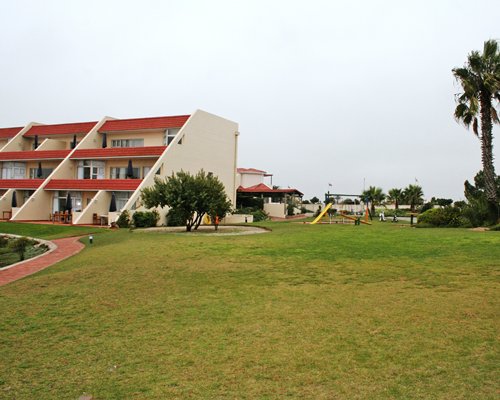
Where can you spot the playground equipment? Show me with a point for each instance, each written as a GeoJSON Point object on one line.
{"type": "Point", "coordinates": [334, 198]}
{"type": "Point", "coordinates": [343, 215]}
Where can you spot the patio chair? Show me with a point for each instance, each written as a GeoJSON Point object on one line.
{"type": "Point", "coordinates": [95, 219]}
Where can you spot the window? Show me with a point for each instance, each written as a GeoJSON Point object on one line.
{"type": "Point", "coordinates": [121, 173]}
{"type": "Point", "coordinates": [170, 135]}
{"type": "Point", "coordinates": [45, 173]}
{"type": "Point", "coordinates": [145, 171]}
{"type": "Point", "coordinates": [121, 199]}
{"type": "Point", "coordinates": [127, 143]}
{"type": "Point", "coordinates": [59, 201]}
{"type": "Point", "coordinates": [13, 170]}
{"type": "Point", "coordinates": [90, 169]}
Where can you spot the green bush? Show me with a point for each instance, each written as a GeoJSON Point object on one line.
{"type": "Point", "coordinates": [258, 214]}
{"type": "Point", "coordinates": [145, 219]}
{"type": "Point", "coordinates": [290, 209]}
{"type": "Point", "coordinates": [123, 220]}
{"type": "Point", "coordinates": [443, 217]}
{"type": "Point", "coordinates": [4, 241]}
{"type": "Point", "coordinates": [495, 228]}
{"type": "Point", "coordinates": [175, 219]}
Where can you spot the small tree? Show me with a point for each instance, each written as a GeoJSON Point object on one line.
{"type": "Point", "coordinates": [191, 197]}
{"type": "Point", "coordinates": [395, 195]}
{"type": "Point", "coordinates": [314, 200]}
{"type": "Point", "coordinates": [19, 246]}
{"type": "Point", "coordinates": [374, 195]}
{"type": "Point", "coordinates": [413, 195]}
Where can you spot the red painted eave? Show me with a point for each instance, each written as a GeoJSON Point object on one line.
{"type": "Point", "coordinates": [34, 155]}
{"type": "Point", "coordinates": [61, 129]}
{"type": "Point", "coordinates": [20, 183]}
{"type": "Point", "coordinates": [261, 188]}
{"type": "Point", "coordinates": [94, 184]}
{"type": "Point", "coordinates": [117, 152]}
{"type": "Point", "coordinates": [9, 133]}
{"type": "Point", "coordinates": [137, 124]}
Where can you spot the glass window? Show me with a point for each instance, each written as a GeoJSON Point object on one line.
{"type": "Point", "coordinates": [90, 169]}
{"type": "Point", "coordinates": [45, 173]}
{"type": "Point", "coordinates": [14, 170]}
{"type": "Point", "coordinates": [170, 135]}
{"type": "Point", "coordinates": [59, 201]}
{"type": "Point", "coordinates": [121, 199]}
{"type": "Point", "coordinates": [121, 173]}
{"type": "Point", "coordinates": [127, 143]}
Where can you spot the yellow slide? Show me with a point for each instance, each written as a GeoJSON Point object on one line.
{"type": "Point", "coordinates": [322, 214]}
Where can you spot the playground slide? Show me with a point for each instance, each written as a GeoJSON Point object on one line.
{"type": "Point", "coordinates": [321, 214]}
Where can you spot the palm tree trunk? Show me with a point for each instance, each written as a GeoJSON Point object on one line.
{"type": "Point", "coordinates": [487, 149]}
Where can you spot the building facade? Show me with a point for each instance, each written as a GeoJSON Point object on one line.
{"type": "Point", "coordinates": [92, 162]}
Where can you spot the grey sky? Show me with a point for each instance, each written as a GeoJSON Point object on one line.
{"type": "Point", "coordinates": [324, 91]}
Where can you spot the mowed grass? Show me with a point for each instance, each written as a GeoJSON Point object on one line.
{"type": "Point", "coordinates": [47, 231]}
{"type": "Point", "coordinates": [319, 312]}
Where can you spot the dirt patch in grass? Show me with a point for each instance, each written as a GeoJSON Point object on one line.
{"type": "Point", "coordinates": [207, 230]}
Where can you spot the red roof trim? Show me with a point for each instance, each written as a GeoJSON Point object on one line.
{"type": "Point", "coordinates": [261, 188]}
{"type": "Point", "coordinates": [9, 132]}
{"type": "Point", "coordinates": [61, 129]}
{"type": "Point", "coordinates": [137, 124]}
{"type": "Point", "coordinates": [20, 183]}
{"type": "Point", "coordinates": [34, 155]}
{"type": "Point", "coordinates": [93, 184]}
{"type": "Point", "coordinates": [147, 151]}
{"type": "Point", "coordinates": [250, 171]}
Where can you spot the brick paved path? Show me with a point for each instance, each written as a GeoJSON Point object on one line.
{"type": "Point", "coordinates": [66, 247]}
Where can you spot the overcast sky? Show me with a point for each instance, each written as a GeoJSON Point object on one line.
{"type": "Point", "coordinates": [340, 92]}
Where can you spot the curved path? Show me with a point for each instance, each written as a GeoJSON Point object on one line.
{"type": "Point", "coordinates": [66, 247]}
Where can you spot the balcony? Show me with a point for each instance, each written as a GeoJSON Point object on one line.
{"type": "Point", "coordinates": [31, 184]}
{"type": "Point", "coordinates": [128, 185]}
{"type": "Point", "coordinates": [36, 155]}
{"type": "Point", "coordinates": [119, 152]}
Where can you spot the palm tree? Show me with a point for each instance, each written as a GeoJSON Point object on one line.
{"type": "Point", "coordinates": [480, 81]}
{"type": "Point", "coordinates": [395, 195]}
{"type": "Point", "coordinates": [413, 195]}
{"type": "Point", "coordinates": [374, 195]}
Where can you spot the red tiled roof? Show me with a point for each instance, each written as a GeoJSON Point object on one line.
{"type": "Point", "coordinates": [34, 155]}
{"type": "Point", "coordinates": [261, 188]}
{"type": "Point", "coordinates": [9, 132]}
{"type": "Point", "coordinates": [60, 129]}
{"type": "Point", "coordinates": [137, 124]}
{"type": "Point", "coordinates": [94, 184]}
{"type": "Point", "coordinates": [20, 183]}
{"type": "Point", "coordinates": [147, 151]}
{"type": "Point", "coordinates": [250, 171]}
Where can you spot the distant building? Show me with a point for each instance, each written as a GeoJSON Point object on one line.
{"type": "Point", "coordinates": [252, 191]}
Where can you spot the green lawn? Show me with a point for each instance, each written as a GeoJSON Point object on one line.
{"type": "Point", "coordinates": [47, 231]}
{"type": "Point", "coordinates": [319, 312]}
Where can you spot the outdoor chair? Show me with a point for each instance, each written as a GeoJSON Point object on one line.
{"type": "Point", "coordinates": [95, 219]}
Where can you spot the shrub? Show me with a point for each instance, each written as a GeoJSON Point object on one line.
{"type": "Point", "coordinates": [20, 246]}
{"type": "Point", "coordinates": [175, 219]}
{"type": "Point", "coordinates": [145, 219]}
{"type": "Point", "coordinates": [446, 216]}
{"type": "Point", "coordinates": [258, 214]}
{"type": "Point", "coordinates": [123, 220]}
{"type": "Point", "coordinates": [4, 241]}
{"type": "Point", "coordinates": [290, 209]}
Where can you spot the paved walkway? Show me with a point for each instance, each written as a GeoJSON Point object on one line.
{"type": "Point", "coordinates": [66, 247]}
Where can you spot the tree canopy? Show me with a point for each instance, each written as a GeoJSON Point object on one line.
{"type": "Point", "coordinates": [374, 195]}
{"type": "Point", "coordinates": [190, 196]}
{"type": "Point", "coordinates": [480, 81]}
{"type": "Point", "coordinates": [413, 195]}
